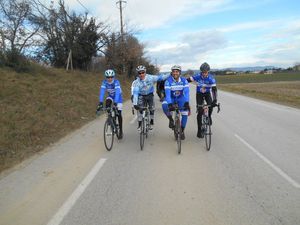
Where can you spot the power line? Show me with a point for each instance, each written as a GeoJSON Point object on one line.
{"type": "Point", "coordinates": [83, 6]}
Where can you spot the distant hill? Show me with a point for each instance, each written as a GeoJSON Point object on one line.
{"type": "Point", "coordinates": [252, 68]}
{"type": "Point", "coordinates": [239, 69]}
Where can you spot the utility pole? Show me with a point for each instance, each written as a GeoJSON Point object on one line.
{"type": "Point", "coordinates": [120, 6]}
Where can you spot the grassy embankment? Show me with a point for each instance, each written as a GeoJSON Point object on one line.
{"type": "Point", "coordinates": [39, 108]}
{"type": "Point", "coordinates": [282, 88]}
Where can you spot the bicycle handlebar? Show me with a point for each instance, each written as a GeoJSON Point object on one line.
{"type": "Point", "coordinates": [110, 109]}
{"type": "Point", "coordinates": [176, 107]}
{"type": "Point", "coordinates": [106, 108]}
{"type": "Point", "coordinates": [141, 108]}
{"type": "Point", "coordinates": [206, 105]}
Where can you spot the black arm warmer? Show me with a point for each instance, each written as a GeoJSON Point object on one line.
{"type": "Point", "coordinates": [214, 93]}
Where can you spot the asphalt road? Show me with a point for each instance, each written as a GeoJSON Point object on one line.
{"type": "Point", "coordinates": [250, 175]}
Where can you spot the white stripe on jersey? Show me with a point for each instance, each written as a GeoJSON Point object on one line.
{"type": "Point", "coordinates": [177, 88]}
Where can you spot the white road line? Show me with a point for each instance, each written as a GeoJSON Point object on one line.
{"type": "Point", "coordinates": [66, 207]}
{"type": "Point", "coordinates": [133, 120]}
{"type": "Point", "coordinates": [273, 166]}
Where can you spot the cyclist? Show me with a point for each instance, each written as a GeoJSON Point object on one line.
{"type": "Point", "coordinates": [206, 84]}
{"type": "Point", "coordinates": [177, 91]}
{"type": "Point", "coordinates": [160, 90]}
{"type": "Point", "coordinates": [143, 88]}
{"type": "Point", "coordinates": [114, 95]}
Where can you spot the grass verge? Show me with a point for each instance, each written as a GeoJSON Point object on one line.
{"type": "Point", "coordinates": [39, 108]}
{"type": "Point", "coordinates": [285, 92]}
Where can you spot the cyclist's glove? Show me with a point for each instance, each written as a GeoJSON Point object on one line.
{"type": "Point", "coordinates": [171, 107]}
{"type": "Point", "coordinates": [136, 107]}
{"type": "Point", "coordinates": [99, 107]}
{"type": "Point", "coordinates": [115, 104]}
{"type": "Point", "coordinates": [186, 106]}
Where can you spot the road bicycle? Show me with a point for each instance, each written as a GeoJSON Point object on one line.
{"type": "Point", "coordinates": [206, 125]}
{"type": "Point", "coordinates": [111, 127]}
{"type": "Point", "coordinates": [177, 127]}
{"type": "Point", "coordinates": [145, 125]}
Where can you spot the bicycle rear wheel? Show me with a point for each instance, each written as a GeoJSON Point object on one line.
{"type": "Point", "coordinates": [108, 134]}
{"type": "Point", "coordinates": [142, 134]}
{"type": "Point", "coordinates": [207, 135]}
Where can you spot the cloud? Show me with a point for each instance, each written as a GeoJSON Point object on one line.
{"type": "Point", "coordinates": [156, 13]}
{"type": "Point", "coordinates": [249, 26]}
{"type": "Point", "coordinates": [191, 47]}
{"type": "Point", "coordinates": [274, 40]}
{"type": "Point", "coordinates": [277, 43]}
{"type": "Point", "coordinates": [146, 14]}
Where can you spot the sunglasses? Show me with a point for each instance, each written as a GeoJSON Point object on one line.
{"type": "Point", "coordinates": [109, 77]}
{"type": "Point", "coordinates": [141, 72]}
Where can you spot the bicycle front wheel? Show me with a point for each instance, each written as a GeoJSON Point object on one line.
{"type": "Point", "coordinates": [147, 125]}
{"type": "Point", "coordinates": [142, 134]}
{"type": "Point", "coordinates": [108, 134]}
{"type": "Point", "coordinates": [207, 135]}
{"type": "Point", "coordinates": [177, 130]}
{"type": "Point", "coordinates": [117, 127]}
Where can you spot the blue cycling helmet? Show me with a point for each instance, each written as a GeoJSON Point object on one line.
{"type": "Point", "coordinates": [109, 73]}
{"type": "Point", "coordinates": [205, 67]}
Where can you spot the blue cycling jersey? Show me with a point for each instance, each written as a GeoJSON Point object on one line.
{"type": "Point", "coordinates": [113, 90]}
{"type": "Point", "coordinates": [204, 84]}
{"type": "Point", "coordinates": [178, 91]}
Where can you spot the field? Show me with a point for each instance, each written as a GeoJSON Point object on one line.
{"type": "Point", "coordinates": [282, 88]}
{"type": "Point", "coordinates": [39, 108]}
{"type": "Point", "coordinates": [258, 78]}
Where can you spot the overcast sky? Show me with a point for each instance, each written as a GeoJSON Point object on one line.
{"type": "Point", "coordinates": [225, 33]}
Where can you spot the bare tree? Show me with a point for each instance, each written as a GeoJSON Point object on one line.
{"type": "Point", "coordinates": [134, 54]}
{"type": "Point", "coordinates": [15, 24]}
{"type": "Point", "coordinates": [63, 31]}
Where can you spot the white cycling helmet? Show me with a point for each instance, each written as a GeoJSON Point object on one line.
{"type": "Point", "coordinates": [176, 67]}
{"type": "Point", "coordinates": [141, 68]}
{"type": "Point", "coordinates": [109, 73]}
